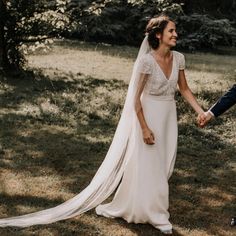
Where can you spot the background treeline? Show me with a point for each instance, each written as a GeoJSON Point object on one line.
{"type": "Point", "coordinates": [201, 24]}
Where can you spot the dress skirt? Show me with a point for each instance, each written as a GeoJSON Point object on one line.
{"type": "Point", "coordinates": [143, 193]}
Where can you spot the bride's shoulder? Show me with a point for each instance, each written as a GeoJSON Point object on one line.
{"type": "Point", "coordinates": [145, 64]}
{"type": "Point", "coordinates": [178, 54]}
{"type": "Point", "coordinates": [180, 59]}
{"type": "Point", "coordinates": [146, 58]}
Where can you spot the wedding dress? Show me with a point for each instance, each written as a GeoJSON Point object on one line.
{"type": "Point", "coordinates": [142, 196]}
{"type": "Point", "coordinates": [140, 171]}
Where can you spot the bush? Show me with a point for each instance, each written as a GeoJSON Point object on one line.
{"type": "Point", "coordinates": [202, 32]}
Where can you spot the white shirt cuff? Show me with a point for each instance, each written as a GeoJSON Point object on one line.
{"type": "Point", "coordinates": [211, 113]}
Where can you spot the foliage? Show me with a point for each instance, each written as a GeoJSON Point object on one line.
{"type": "Point", "coordinates": [31, 20]}
{"type": "Point", "coordinates": [123, 22]}
{"type": "Point", "coordinates": [118, 21]}
{"type": "Point", "coordinates": [215, 8]}
{"type": "Point", "coordinates": [201, 31]}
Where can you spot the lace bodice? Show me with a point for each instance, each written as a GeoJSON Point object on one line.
{"type": "Point", "coordinates": [157, 83]}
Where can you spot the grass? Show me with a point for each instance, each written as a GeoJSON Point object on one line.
{"type": "Point", "coordinates": [57, 123]}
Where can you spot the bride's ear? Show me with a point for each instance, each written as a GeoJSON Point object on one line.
{"type": "Point", "coordinates": [158, 36]}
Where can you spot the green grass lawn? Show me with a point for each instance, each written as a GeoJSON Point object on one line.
{"type": "Point", "coordinates": [57, 123]}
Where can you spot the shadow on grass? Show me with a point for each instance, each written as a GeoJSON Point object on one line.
{"type": "Point", "coordinates": [62, 228]}
{"type": "Point", "coordinates": [202, 190]}
{"type": "Point", "coordinates": [73, 142]}
{"type": "Point", "coordinates": [202, 186]}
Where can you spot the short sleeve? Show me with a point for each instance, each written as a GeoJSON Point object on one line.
{"type": "Point", "coordinates": [181, 61]}
{"type": "Point", "coordinates": [145, 65]}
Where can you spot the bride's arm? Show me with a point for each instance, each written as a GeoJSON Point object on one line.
{"type": "Point", "coordinates": [187, 93]}
{"type": "Point", "coordinates": [148, 135]}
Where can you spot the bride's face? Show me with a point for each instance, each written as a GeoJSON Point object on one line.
{"type": "Point", "coordinates": [169, 35]}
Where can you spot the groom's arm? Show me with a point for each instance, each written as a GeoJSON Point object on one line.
{"type": "Point", "coordinates": [222, 105]}
{"type": "Point", "coordinates": [225, 102]}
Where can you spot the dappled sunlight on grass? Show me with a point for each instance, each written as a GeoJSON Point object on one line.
{"type": "Point", "coordinates": [57, 124]}
{"type": "Point", "coordinates": [89, 63]}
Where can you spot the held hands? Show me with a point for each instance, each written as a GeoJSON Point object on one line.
{"type": "Point", "coordinates": [203, 119]}
{"type": "Point", "coordinates": [148, 136]}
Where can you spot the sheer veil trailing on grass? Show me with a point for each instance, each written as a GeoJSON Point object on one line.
{"type": "Point", "coordinates": [109, 173]}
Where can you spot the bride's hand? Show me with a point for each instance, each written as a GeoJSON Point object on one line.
{"type": "Point", "coordinates": [148, 136]}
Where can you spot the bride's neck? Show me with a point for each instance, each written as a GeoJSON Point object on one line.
{"type": "Point", "coordinates": [162, 52]}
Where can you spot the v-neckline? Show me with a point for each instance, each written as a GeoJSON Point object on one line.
{"type": "Point", "coordinates": [167, 78]}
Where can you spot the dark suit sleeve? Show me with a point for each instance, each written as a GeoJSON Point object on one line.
{"type": "Point", "coordinates": [225, 102]}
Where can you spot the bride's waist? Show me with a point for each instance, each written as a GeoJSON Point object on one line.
{"type": "Point", "coordinates": [159, 97]}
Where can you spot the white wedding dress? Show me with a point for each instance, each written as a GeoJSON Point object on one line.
{"type": "Point", "coordinates": [142, 196]}
{"type": "Point", "coordinates": [140, 171]}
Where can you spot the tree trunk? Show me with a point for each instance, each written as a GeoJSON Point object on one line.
{"type": "Point", "coordinates": [3, 54]}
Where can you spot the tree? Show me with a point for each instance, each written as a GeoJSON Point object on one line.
{"type": "Point", "coordinates": [123, 21]}
{"type": "Point", "coordinates": [116, 21]}
{"type": "Point", "coordinates": [215, 8]}
{"type": "Point", "coordinates": [3, 57]}
{"type": "Point", "coordinates": [28, 20]}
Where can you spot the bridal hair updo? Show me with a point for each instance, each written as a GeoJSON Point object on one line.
{"type": "Point", "coordinates": [156, 25]}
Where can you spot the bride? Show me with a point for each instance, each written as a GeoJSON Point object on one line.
{"type": "Point", "coordinates": [141, 157]}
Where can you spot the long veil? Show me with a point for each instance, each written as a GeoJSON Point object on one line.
{"type": "Point", "coordinates": [109, 173]}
